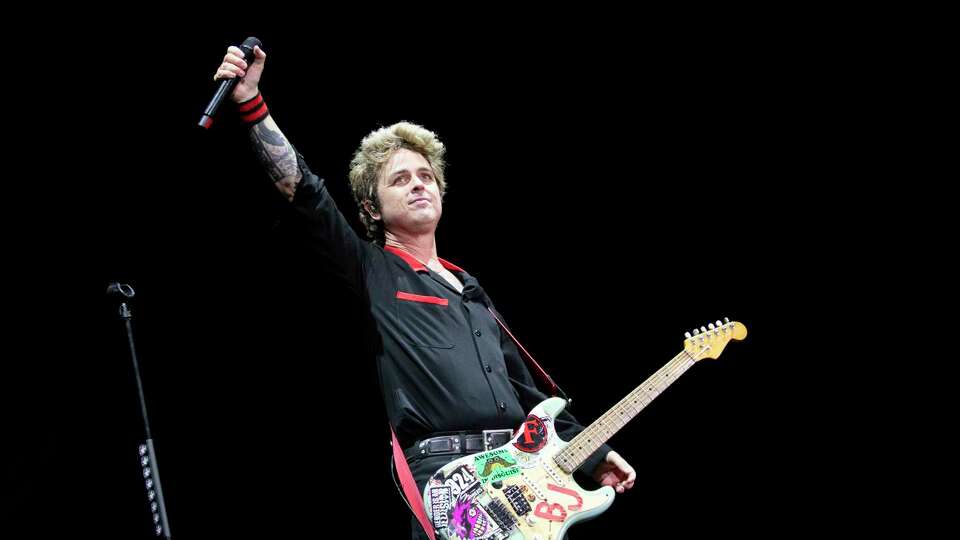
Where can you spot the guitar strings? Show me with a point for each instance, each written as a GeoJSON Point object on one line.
{"type": "Point", "coordinates": [670, 368]}
{"type": "Point", "coordinates": [669, 371]}
{"type": "Point", "coordinates": [674, 368]}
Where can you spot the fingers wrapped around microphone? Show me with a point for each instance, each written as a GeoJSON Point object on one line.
{"type": "Point", "coordinates": [228, 71]}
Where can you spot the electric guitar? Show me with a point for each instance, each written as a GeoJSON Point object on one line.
{"type": "Point", "coordinates": [524, 490]}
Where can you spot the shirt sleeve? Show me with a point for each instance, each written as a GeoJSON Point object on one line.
{"type": "Point", "coordinates": [327, 234]}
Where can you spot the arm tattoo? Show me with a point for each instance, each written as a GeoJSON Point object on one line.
{"type": "Point", "coordinates": [274, 152]}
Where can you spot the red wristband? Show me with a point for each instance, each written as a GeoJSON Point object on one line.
{"type": "Point", "coordinates": [253, 111]}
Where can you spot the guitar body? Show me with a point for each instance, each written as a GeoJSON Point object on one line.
{"type": "Point", "coordinates": [513, 492]}
{"type": "Point", "coordinates": [519, 491]}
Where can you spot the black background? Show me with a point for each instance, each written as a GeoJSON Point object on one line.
{"type": "Point", "coordinates": [611, 191]}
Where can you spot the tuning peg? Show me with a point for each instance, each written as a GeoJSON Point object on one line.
{"type": "Point", "coordinates": [702, 329]}
{"type": "Point", "coordinates": [710, 326]}
{"type": "Point", "coordinates": [719, 324]}
{"type": "Point", "coordinates": [696, 332]}
{"type": "Point", "coordinates": [726, 320]}
{"type": "Point", "coordinates": [687, 335]}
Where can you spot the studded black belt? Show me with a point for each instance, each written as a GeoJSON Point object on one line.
{"type": "Point", "coordinates": [462, 442]}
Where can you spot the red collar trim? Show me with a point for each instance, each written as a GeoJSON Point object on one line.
{"type": "Point", "coordinates": [451, 267]}
{"type": "Point", "coordinates": [418, 266]}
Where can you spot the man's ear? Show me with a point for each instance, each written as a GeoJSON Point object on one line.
{"type": "Point", "coordinates": [371, 209]}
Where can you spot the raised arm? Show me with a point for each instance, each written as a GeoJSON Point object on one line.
{"type": "Point", "coordinates": [315, 216]}
{"type": "Point", "coordinates": [274, 151]}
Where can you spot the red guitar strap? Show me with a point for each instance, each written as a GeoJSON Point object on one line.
{"type": "Point", "coordinates": [410, 487]}
{"type": "Point", "coordinates": [534, 366]}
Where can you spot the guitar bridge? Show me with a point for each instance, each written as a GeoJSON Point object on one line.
{"type": "Point", "coordinates": [501, 515]}
{"type": "Point", "coordinates": [519, 503]}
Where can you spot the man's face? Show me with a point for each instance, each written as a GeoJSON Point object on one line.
{"type": "Point", "coordinates": [409, 196]}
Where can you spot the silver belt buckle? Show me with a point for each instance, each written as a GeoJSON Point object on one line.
{"type": "Point", "coordinates": [488, 434]}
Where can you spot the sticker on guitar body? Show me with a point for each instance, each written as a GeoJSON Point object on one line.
{"type": "Point", "coordinates": [461, 481]}
{"type": "Point", "coordinates": [469, 521]}
{"type": "Point", "coordinates": [533, 434]}
{"type": "Point", "coordinates": [495, 465]}
{"type": "Point", "coordinates": [454, 507]}
{"type": "Point", "coordinates": [440, 506]}
{"type": "Point", "coordinates": [552, 511]}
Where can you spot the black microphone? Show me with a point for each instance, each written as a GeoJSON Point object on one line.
{"type": "Point", "coordinates": [227, 85]}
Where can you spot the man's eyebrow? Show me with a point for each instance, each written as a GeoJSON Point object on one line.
{"type": "Point", "coordinates": [399, 172]}
{"type": "Point", "coordinates": [405, 171]}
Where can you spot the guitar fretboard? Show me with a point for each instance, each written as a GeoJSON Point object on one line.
{"type": "Point", "coordinates": [590, 439]}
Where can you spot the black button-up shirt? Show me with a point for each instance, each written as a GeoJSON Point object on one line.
{"type": "Point", "coordinates": [443, 361]}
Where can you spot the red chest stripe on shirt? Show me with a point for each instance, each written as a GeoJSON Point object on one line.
{"type": "Point", "coordinates": [425, 299]}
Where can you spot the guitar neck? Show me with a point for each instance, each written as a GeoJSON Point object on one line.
{"type": "Point", "coordinates": [599, 432]}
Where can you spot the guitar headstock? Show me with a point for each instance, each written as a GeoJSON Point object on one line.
{"type": "Point", "coordinates": [709, 341]}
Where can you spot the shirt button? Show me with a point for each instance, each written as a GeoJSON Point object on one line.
{"type": "Point", "coordinates": [477, 332]}
{"type": "Point", "coordinates": [489, 369]}
{"type": "Point", "coordinates": [503, 406]}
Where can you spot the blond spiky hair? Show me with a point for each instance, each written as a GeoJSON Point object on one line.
{"type": "Point", "coordinates": [375, 150]}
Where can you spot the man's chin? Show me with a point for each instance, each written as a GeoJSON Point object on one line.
{"type": "Point", "coordinates": [426, 215]}
{"type": "Point", "coordinates": [421, 225]}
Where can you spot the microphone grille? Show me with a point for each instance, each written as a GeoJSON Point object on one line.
{"type": "Point", "coordinates": [250, 43]}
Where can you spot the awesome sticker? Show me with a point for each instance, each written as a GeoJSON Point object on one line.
{"type": "Point", "coordinates": [495, 465]}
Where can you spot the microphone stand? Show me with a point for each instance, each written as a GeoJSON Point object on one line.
{"type": "Point", "coordinates": [147, 453]}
